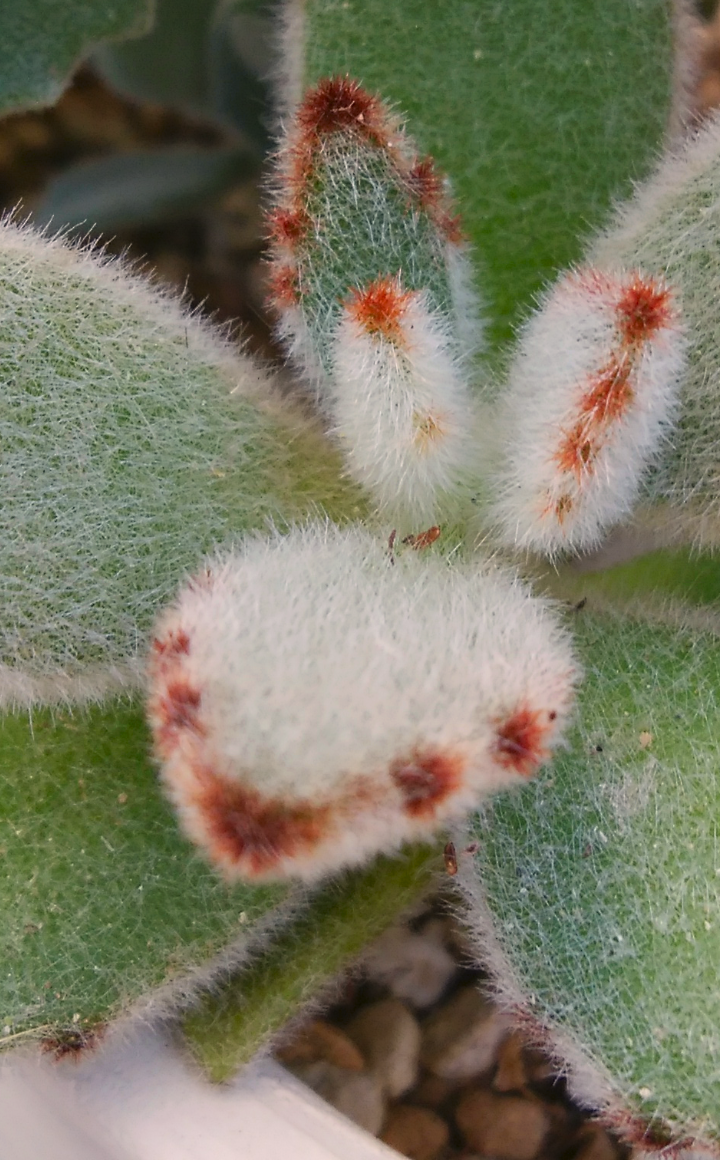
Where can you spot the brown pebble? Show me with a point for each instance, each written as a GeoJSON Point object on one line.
{"type": "Point", "coordinates": [29, 133]}
{"type": "Point", "coordinates": [505, 1127]}
{"type": "Point", "coordinates": [354, 1093]}
{"type": "Point", "coordinates": [460, 1040]}
{"type": "Point", "coordinates": [416, 967]}
{"type": "Point", "coordinates": [320, 1040]}
{"type": "Point", "coordinates": [511, 1074]}
{"type": "Point", "coordinates": [563, 1125]}
{"type": "Point", "coordinates": [415, 1132]}
{"type": "Point", "coordinates": [438, 930]}
{"type": "Point", "coordinates": [594, 1143]}
{"type": "Point", "coordinates": [388, 1035]}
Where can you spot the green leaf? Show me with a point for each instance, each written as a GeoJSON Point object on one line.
{"type": "Point", "coordinates": [671, 229]}
{"type": "Point", "coordinates": [663, 585]}
{"type": "Point", "coordinates": [603, 875]}
{"type": "Point", "coordinates": [41, 42]}
{"type": "Point", "coordinates": [228, 1026]}
{"type": "Point", "coordinates": [169, 65]}
{"type": "Point", "coordinates": [541, 111]}
{"type": "Point", "coordinates": [209, 57]}
{"type": "Point", "coordinates": [240, 58]}
{"type": "Point", "coordinates": [134, 441]}
{"type": "Point", "coordinates": [129, 189]}
{"type": "Point", "coordinates": [103, 899]}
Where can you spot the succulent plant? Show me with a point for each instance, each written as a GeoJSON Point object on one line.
{"type": "Point", "coordinates": [339, 666]}
{"type": "Point", "coordinates": [426, 687]}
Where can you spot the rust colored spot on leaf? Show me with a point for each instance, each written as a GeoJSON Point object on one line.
{"type": "Point", "coordinates": [380, 307]}
{"type": "Point", "coordinates": [520, 741]}
{"type": "Point", "coordinates": [338, 104]}
{"type": "Point", "coordinates": [563, 507]}
{"type": "Point", "coordinates": [175, 643]}
{"type": "Point", "coordinates": [183, 703]}
{"type": "Point", "coordinates": [450, 856]}
{"type": "Point", "coordinates": [428, 188]}
{"type": "Point", "coordinates": [426, 779]}
{"type": "Point", "coordinates": [423, 539]}
{"type": "Point", "coordinates": [173, 710]}
{"type": "Point", "coordinates": [578, 451]}
{"type": "Point", "coordinates": [282, 286]}
{"type": "Point", "coordinates": [451, 226]}
{"type": "Point", "coordinates": [288, 226]}
{"type": "Point", "coordinates": [610, 392]}
{"type": "Point", "coordinates": [644, 308]}
{"type": "Point", "coordinates": [72, 1042]}
{"type": "Point", "coordinates": [243, 827]}
{"type": "Point", "coordinates": [426, 183]}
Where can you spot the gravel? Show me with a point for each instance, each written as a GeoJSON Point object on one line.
{"type": "Point", "coordinates": [417, 1053]}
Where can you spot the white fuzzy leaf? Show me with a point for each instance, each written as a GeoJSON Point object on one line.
{"type": "Point", "coordinates": [593, 391]}
{"type": "Point", "coordinates": [315, 701]}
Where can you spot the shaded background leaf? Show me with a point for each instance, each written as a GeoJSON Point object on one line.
{"type": "Point", "coordinates": [42, 41]}
{"type": "Point", "coordinates": [139, 188]}
{"type": "Point", "coordinates": [210, 59]}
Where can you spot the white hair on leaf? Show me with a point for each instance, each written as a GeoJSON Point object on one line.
{"type": "Point", "coordinates": [314, 701]}
{"type": "Point", "coordinates": [356, 208]}
{"type": "Point", "coordinates": [467, 304]}
{"type": "Point", "coordinates": [593, 391]}
{"type": "Point", "coordinates": [401, 409]}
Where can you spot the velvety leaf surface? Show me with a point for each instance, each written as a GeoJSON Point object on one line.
{"type": "Point", "coordinates": [604, 876]}
{"type": "Point", "coordinates": [343, 918]}
{"type": "Point", "coordinates": [102, 897]}
{"type": "Point", "coordinates": [41, 41]}
{"type": "Point", "coordinates": [120, 415]}
{"type": "Point", "coordinates": [680, 579]}
{"type": "Point", "coordinates": [541, 111]}
{"type": "Point", "coordinates": [133, 444]}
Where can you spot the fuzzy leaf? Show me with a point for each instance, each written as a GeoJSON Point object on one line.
{"type": "Point", "coordinates": [371, 285]}
{"type": "Point", "coordinates": [309, 727]}
{"type": "Point", "coordinates": [104, 900]}
{"type": "Point", "coordinates": [134, 440]}
{"type": "Point", "coordinates": [41, 41]}
{"type": "Point", "coordinates": [227, 1027]}
{"type": "Point", "coordinates": [672, 227]}
{"type": "Point", "coordinates": [533, 110]}
{"type": "Point", "coordinates": [604, 881]}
